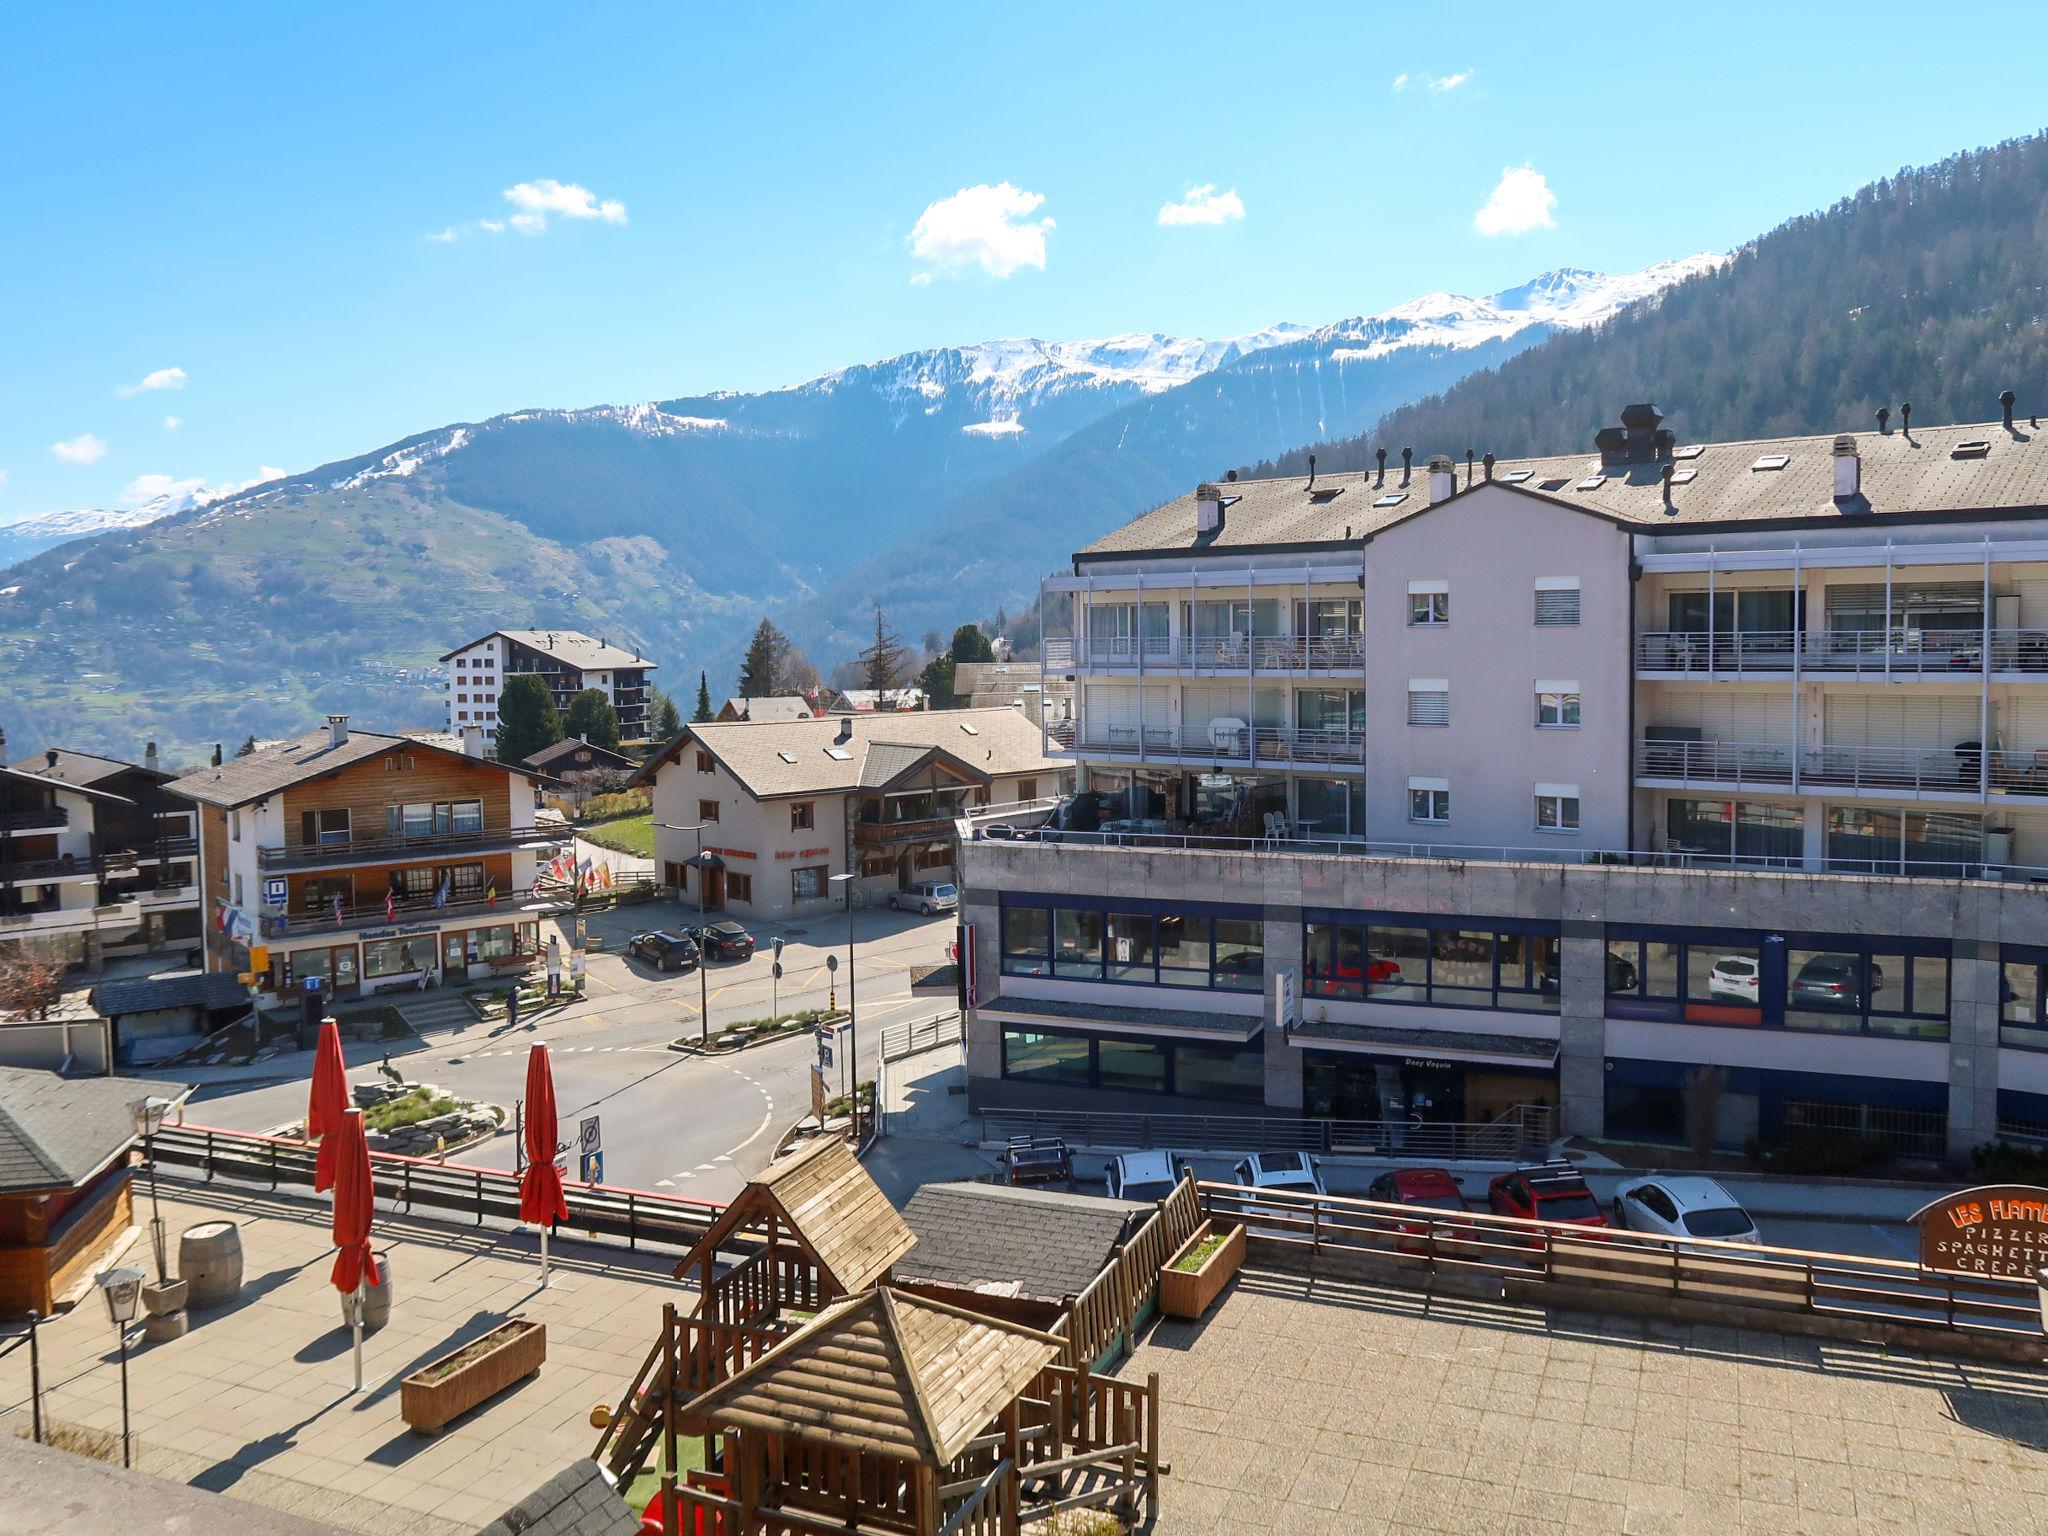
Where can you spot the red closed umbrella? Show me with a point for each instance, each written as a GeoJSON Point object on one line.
{"type": "Point", "coordinates": [355, 1200]}
{"type": "Point", "coordinates": [326, 1103]}
{"type": "Point", "coordinates": [541, 1200]}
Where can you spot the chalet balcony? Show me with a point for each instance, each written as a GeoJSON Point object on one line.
{"type": "Point", "coordinates": [1961, 772]}
{"type": "Point", "coordinates": [1220, 741]}
{"type": "Point", "coordinates": [892, 834]}
{"type": "Point", "coordinates": [51, 818]}
{"type": "Point", "coordinates": [1871, 655]}
{"type": "Point", "coordinates": [277, 925]}
{"type": "Point", "coordinates": [35, 922]}
{"type": "Point", "coordinates": [1221, 653]}
{"type": "Point", "coordinates": [70, 867]}
{"type": "Point", "coordinates": [346, 852]}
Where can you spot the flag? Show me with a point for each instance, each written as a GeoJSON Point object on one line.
{"type": "Point", "coordinates": [220, 918]}
{"type": "Point", "coordinates": [441, 890]}
{"type": "Point", "coordinates": [606, 868]}
{"type": "Point", "coordinates": [491, 895]}
{"type": "Point", "coordinates": [338, 918]}
{"type": "Point", "coordinates": [390, 906]}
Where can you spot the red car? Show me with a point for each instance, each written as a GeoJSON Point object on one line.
{"type": "Point", "coordinates": [1546, 1192]}
{"type": "Point", "coordinates": [1343, 978]}
{"type": "Point", "coordinates": [1430, 1187]}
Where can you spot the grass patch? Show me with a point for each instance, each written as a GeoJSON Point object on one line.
{"type": "Point", "coordinates": [843, 1104]}
{"type": "Point", "coordinates": [471, 1352]}
{"type": "Point", "coordinates": [626, 834]}
{"type": "Point", "coordinates": [1192, 1261]}
{"type": "Point", "coordinates": [639, 1493]}
{"type": "Point", "coordinates": [407, 1109]}
{"type": "Point", "coordinates": [802, 1019]}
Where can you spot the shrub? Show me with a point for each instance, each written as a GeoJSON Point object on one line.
{"type": "Point", "coordinates": [1822, 1153]}
{"type": "Point", "coordinates": [2006, 1163]}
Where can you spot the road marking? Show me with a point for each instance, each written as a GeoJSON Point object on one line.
{"type": "Point", "coordinates": [664, 1183]}
{"type": "Point", "coordinates": [706, 1168]}
{"type": "Point", "coordinates": [723, 1157]}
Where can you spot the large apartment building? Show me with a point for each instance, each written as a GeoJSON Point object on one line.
{"type": "Point", "coordinates": [1386, 707]}
{"type": "Point", "coordinates": [365, 860]}
{"type": "Point", "coordinates": [566, 660]}
{"type": "Point", "coordinates": [95, 858]}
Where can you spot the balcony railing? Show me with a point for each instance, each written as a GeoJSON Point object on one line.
{"type": "Point", "coordinates": [886, 834]}
{"type": "Point", "coordinates": [69, 867]}
{"type": "Point", "coordinates": [392, 849]}
{"type": "Point", "coordinates": [1220, 741]}
{"type": "Point", "coordinates": [48, 819]}
{"type": "Point", "coordinates": [1845, 653]}
{"type": "Point", "coordinates": [1231, 653]}
{"type": "Point", "coordinates": [373, 915]}
{"type": "Point", "coordinates": [1955, 772]}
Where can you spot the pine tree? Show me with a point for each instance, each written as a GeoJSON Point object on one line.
{"type": "Point", "coordinates": [665, 721]}
{"type": "Point", "coordinates": [881, 664]}
{"type": "Point", "coordinates": [527, 718]}
{"type": "Point", "coordinates": [703, 710]}
{"type": "Point", "coordinates": [937, 682]}
{"type": "Point", "coordinates": [970, 644]}
{"type": "Point", "coordinates": [767, 659]}
{"type": "Point", "coordinates": [592, 717]}
{"type": "Point", "coordinates": [248, 745]}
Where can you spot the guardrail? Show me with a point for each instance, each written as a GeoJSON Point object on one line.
{"type": "Point", "coordinates": [908, 1039]}
{"type": "Point", "coordinates": [370, 850]}
{"type": "Point", "coordinates": [1854, 653]}
{"type": "Point", "coordinates": [639, 1216]}
{"type": "Point", "coordinates": [1221, 741]}
{"type": "Point", "coordinates": [1517, 1135]}
{"type": "Point", "coordinates": [1544, 1254]}
{"type": "Point", "coordinates": [1224, 653]}
{"type": "Point", "coordinates": [1949, 771]}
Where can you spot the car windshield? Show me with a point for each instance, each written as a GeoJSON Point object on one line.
{"type": "Point", "coordinates": [1149, 1189]}
{"type": "Point", "coordinates": [943, 890]}
{"type": "Point", "coordinates": [1296, 1185]}
{"type": "Point", "coordinates": [1440, 1202]}
{"type": "Point", "coordinates": [1567, 1207]}
{"type": "Point", "coordinates": [1718, 1221]}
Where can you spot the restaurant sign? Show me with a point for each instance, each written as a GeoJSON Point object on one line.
{"type": "Point", "coordinates": [1994, 1229]}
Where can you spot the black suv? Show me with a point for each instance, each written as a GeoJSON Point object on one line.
{"type": "Point", "coordinates": [724, 941]}
{"type": "Point", "coordinates": [665, 951]}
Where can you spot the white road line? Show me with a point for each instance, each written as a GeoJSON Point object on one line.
{"type": "Point", "coordinates": [706, 1168]}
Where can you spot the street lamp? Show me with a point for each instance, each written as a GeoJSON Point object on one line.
{"type": "Point", "coordinates": [703, 863]}
{"type": "Point", "coordinates": [123, 1289]}
{"type": "Point", "coordinates": [845, 881]}
{"type": "Point", "coordinates": [148, 1115]}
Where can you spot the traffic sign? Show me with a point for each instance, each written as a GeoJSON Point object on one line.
{"type": "Point", "coordinates": [776, 970]}
{"type": "Point", "coordinates": [589, 1138]}
{"type": "Point", "coordinates": [593, 1166]}
{"type": "Point", "coordinates": [778, 948]}
{"type": "Point", "coordinates": [831, 962]}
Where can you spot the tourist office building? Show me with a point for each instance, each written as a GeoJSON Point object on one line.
{"type": "Point", "coordinates": [1439, 789]}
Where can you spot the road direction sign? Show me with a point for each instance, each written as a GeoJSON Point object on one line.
{"type": "Point", "coordinates": [593, 1167]}
{"type": "Point", "coordinates": [589, 1138]}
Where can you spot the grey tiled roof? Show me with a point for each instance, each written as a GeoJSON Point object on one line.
{"type": "Point", "coordinates": [57, 1132]}
{"type": "Point", "coordinates": [572, 647]}
{"type": "Point", "coordinates": [1235, 1026]}
{"type": "Point", "coordinates": [267, 770]}
{"type": "Point", "coordinates": [575, 1502]}
{"type": "Point", "coordinates": [778, 707]}
{"type": "Point", "coordinates": [1033, 1243]}
{"type": "Point", "coordinates": [1905, 476]}
{"type": "Point", "coordinates": [1439, 1042]}
{"type": "Point", "coordinates": [79, 769]}
{"type": "Point", "coordinates": [147, 994]}
{"type": "Point", "coordinates": [558, 758]}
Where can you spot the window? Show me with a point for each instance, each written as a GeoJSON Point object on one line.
{"type": "Point", "coordinates": [1027, 941]}
{"type": "Point", "coordinates": [325, 829]}
{"type": "Point", "coordinates": [739, 887]}
{"type": "Point", "coordinates": [238, 890]}
{"type": "Point", "coordinates": [235, 826]}
{"type": "Point", "coordinates": [461, 661]}
{"type": "Point", "coordinates": [704, 762]}
{"type": "Point", "coordinates": [802, 815]}
{"type": "Point", "coordinates": [1741, 831]}
{"type": "Point", "coordinates": [1135, 1066]}
{"type": "Point", "coordinates": [1077, 943]}
{"type": "Point", "coordinates": [1027, 789]}
{"type": "Point", "coordinates": [1233, 1072]}
{"type": "Point", "coordinates": [1557, 704]}
{"type": "Point", "coordinates": [1182, 944]}
{"type": "Point", "coordinates": [2022, 986]}
{"type": "Point", "coordinates": [1128, 1064]}
{"type": "Point", "coordinates": [1429, 602]}
{"type": "Point", "coordinates": [1034, 1057]}
{"type": "Point", "coordinates": [1557, 807]}
{"type": "Point", "coordinates": [398, 957]}
{"type": "Point", "coordinates": [1429, 800]}
{"type": "Point", "coordinates": [467, 817]}
{"type": "Point", "coordinates": [707, 810]}
{"type": "Point", "coordinates": [1557, 601]}
{"type": "Point", "coordinates": [416, 820]}
{"type": "Point", "coordinates": [806, 884]}
{"type": "Point", "coordinates": [1429, 701]}
{"type": "Point", "coordinates": [1447, 963]}
{"type": "Point", "coordinates": [1240, 955]}
{"type": "Point", "coordinates": [1131, 955]}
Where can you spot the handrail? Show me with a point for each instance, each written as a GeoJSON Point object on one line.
{"type": "Point", "coordinates": [1220, 740]}
{"type": "Point", "coordinates": [371, 914]}
{"type": "Point", "coordinates": [1902, 651]}
{"type": "Point", "coordinates": [1500, 1140]}
{"type": "Point", "coordinates": [1953, 771]}
{"type": "Point", "coordinates": [915, 1035]}
{"type": "Point", "coordinates": [367, 850]}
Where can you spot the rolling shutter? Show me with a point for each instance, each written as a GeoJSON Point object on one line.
{"type": "Point", "coordinates": [1901, 720]}
{"type": "Point", "coordinates": [2033, 596]}
{"type": "Point", "coordinates": [1110, 706]}
{"type": "Point", "coordinates": [1721, 714]}
{"type": "Point", "coordinates": [2023, 725]}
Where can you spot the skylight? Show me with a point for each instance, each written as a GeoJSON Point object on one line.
{"type": "Point", "coordinates": [1772, 461]}
{"type": "Point", "coordinates": [1975, 448]}
{"type": "Point", "coordinates": [971, 730]}
{"type": "Point", "coordinates": [1391, 499]}
{"type": "Point", "coordinates": [1690, 451]}
{"type": "Point", "coordinates": [1326, 493]}
{"type": "Point", "coordinates": [787, 757]}
{"type": "Point", "coordinates": [1517, 476]}
{"type": "Point", "coordinates": [839, 754]}
{"type": "Point", "coordinates": [1591, 483]}
{"type": "Point", "coordinates": [1684, 476]}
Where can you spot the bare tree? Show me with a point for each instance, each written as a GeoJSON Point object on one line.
{"type": "Point", "coordinates": [31, 983]}
{"type": "Point", "coordinates": [1701, 1094]}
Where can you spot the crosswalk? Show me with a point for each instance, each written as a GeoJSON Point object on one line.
{"type": "Point", "coordinates": [571, 1050]}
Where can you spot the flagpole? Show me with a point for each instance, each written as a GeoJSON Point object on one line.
{"type": "Point", "coordinates": [355, 1319]}
{"type": "Point", "coordinates": [544, 1256]}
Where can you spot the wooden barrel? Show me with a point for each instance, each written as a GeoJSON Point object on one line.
{"type": "Point", "coordinates": [376, 1298]}
{"type": "Point", "coordinates": [210, 1263]}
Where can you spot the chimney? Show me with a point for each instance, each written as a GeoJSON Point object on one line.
{"type": "Point", "coordinates": [1208, 508]}
{"type": "Point", "coordinates": [1407, 461]}
{"type": "Point", "coordinates": [1488, 462]}
{"type": "Point", "coordinates": [1884, 420]}
{"type": "Point", "coordinates": [845, 731]}
{"type": "Point", "coordinates": [1381, 455]}
{"type": "Point", "coordinates": [1312, 457]}
{"type": "Point", "coordinates": [472, 741]}
{"type": "Point", "coordinates": [216, 754]}
{"type": "Point", "coordinates": [50, 756]}
{"type": "Point", "coordinates": [3, 746]}
{"type": "Point", "coordinates": [1230, 475]}
{"type": "Point", "coordinates": [1664, 475]}
{"type": "Point", "coordinates": [337, 730]}
{"type": "Point", "coordinates": [2005, 398]}
{"type": "Point", "coordinates": [1468, 469]}
{"type": "Point", "coordinates": [1848, 469]}
{"type": "Point", "coordinates": [584, 737]}
{"type": "Point", "coordinates": [1443, 479]}
{"type": "Point", "coordinates": [149, 759]}
{"type": "Point", "coordinates": [1906, 416]}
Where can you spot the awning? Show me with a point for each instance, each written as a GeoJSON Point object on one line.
{"type": "Point", "coordinates": [1449, 1045]}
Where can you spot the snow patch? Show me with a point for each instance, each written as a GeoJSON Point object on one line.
{"type": "Point", "coordinates": [405, 461]}
{"type": "Point", "coordinates": [1010, 428]}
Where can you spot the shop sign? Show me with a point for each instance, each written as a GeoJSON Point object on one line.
{"type": "Point", "coordinates": [1286, 999]}
{"type": "Point", "coordinates": [731, 853]}
{"type": "Point", "coordinates": [403, 930]}
{"type": "Point", "coordinates": [1427, 1064]}
{"type": "Point", "coordinates": [1994, 1229]}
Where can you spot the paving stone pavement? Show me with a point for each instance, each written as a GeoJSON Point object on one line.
{"type": "Point", "coordinates": [257, 1400]}
{"type": "Point", "coordinates": [1306, 1406]}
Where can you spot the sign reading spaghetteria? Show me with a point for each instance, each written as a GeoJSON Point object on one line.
{"type": "Point", "coordinates": [1994, 1229]}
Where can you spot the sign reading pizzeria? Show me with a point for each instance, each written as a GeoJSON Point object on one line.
{"type": "Point", "coordinates": [1994, 1229]}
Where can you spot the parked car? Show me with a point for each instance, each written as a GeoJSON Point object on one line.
{"type": "Point", "coordinates": [665, 951]}
{"type": "Point", "coordinates": [1433, 1188]}
{"type": "Point", "coordinates": [927, 896]}
{"type": "Point", "coordinates": [1144, 1176]}
{"type": "Point", "coordinates": [1621, 973]}
{"type": "Point", "coordinates": [1834, 981]}
{"type": "Point", "coordinates": [1683, 1207]}
{"type": "Point", "coordinates": [1038, 1160]}
{"type": "Point", "coordinates": [1345, 974]}
{"type": "Point", "coordinates": [1244, 963]}
{"type": "Point", "coordinates": [1733, 979]}
{"type": "Point", "coordinates": [1294, 1172]}
{"type": "Point", "coordinates": [1546, 1192]}
{"type": "Point", "coordinates": [724, 941]}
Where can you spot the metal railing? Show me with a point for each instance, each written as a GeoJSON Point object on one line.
{"type": "Point", "coordinates": [1227, 653]}
{"type": "Point", "coordinates": [366, 850]}
{"type": "Point", "coordinates": [1896, 652]}
{"type": "Point", "coordinates": [916, 1035]}
{"type": "Point", "coordinates": [17, 821]}
{"type": "Point", "coordinates": [637, 1215]}
{"type": "Point", "coordinates": [373, 915]}
{"type": "Point", "coordinates": [1954, 772]}
{"type": "Point", "coordinates": [1520, 1133]}
{"type": "Point", "coordinates": [1219, 741]}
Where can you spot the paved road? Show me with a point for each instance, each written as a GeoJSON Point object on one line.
{"type": "Point", "coordinates": [683, 1124]}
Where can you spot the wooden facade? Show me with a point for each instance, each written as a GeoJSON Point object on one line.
{"type": "Point", "coordinates": [50, 1239]}
{"type": "Point", "coordinates": [366, 790]}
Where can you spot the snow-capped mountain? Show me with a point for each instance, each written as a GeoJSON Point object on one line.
{"type": "Point", "coordinates": [19, 540]}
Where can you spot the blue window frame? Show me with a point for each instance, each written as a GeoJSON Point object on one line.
{"type": "Point", "coordinates": [1438, 962]}
{"type": "Point", "coordinates": [1223, 1070]}
{"type": "Point", "coordinates": [1140, 943]}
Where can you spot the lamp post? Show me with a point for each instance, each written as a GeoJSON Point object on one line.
{"type": "Point", "coordinates": [148, 1115]}
{"type": "Point", "coordinates": [703, 864]}
{"type": "Point", "coordinates": [845, 883]}
{"type": "Point", "coordinates": [123, 1289]}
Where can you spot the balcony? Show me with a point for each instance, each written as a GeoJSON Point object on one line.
{"type": "Point", "coordinates": [38, 921]}
{"type": "Point", "coordinates": [1933, 773]}
{"type": "Point", "coordinates": [51, 818]}
{"type": "Point", "coordinates": [1220, 741]}
{"type": "Point", "coordinates": [1199, 654]}
{"type": "Point", "coordinates": [277, 925]}
{"type": "Point", "coordinates": [70, 867]}
{"type": "Point", "coordinates": [1868, 654]}
{"type": "Point", "coordinates": [394, 850]}
{"type": "Point", "coordinates": [891, 834]}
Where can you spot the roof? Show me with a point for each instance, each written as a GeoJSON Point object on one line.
{"type": "Point", "coordinates": [268, 770]}
{"type": "Point", "coordinates": [995, 676]}
{"type": "Point", "coordinates": [1468, 1044]}
{"type": "Point", "coordinates": [1904, 475]}
{"type": "Point", "coordinates": [886, 1373]}
{"type": "Point", "coordinates": [81, 770]}
{"type": "Point", "coordinates": [1037, 1244]}
{"type": "Point", "coordinates": [574, 1502]}
{"type": "Point", "coordinates": [23, 774]}
{"type": "Point", "coordinates": [554, 759]}
{"type": "Point", "coordinates": [789, 706]}
{"type": "Point", "coordinates": [989, 741]}
{"type": "Point", "coordinates": [57, 1132]}
{"type": "Point", "coordinates": [43, 1490]}
{"type": "Point", "coordinates": [835, 1211]}
{"type": "Point", "coordinates": [891, 762]}
{"type": "Point", "coordinates": [571, 647]}
{"type": "Point", "coordinates": [210, 990]}
{"type": "Point", "coordinates": [859, 699]}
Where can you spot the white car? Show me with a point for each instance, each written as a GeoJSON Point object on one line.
{"type": "Point", "coordinates": [1683, 1207]}
{"type": "Point", "coordinates": [1733, 979]}
{"type": "Point", "coordinates": [927, 897]}
{"type": "Point", "coordinates": [1144, 1176]}
{"type": "Point", "coordinates": [1293, 1171]}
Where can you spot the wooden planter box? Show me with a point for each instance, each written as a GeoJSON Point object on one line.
{"type": "Point", "coordinates": [434, 1394]}
{"type": "Point", "coordinates": [1188, 1294]}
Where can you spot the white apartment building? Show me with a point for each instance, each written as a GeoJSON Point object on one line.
{"type": "Point", "coordinates": [567, 660]}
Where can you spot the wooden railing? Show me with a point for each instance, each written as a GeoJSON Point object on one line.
{"type": "Point", "coordinates": [1104, 1316]}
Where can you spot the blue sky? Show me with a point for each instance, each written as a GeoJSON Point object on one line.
{"type": "Point", "coordinates": [234, 204]}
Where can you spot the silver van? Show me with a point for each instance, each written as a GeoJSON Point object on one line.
{"type": "Point", "coordinates": [927, 896]}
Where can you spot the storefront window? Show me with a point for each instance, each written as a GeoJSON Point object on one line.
{"type": "Point", "coordinates": [1846, 985]}
{"type": "Point", "coordinates": [1130, 947]}
{"type": "Point", "coordinates": [1026, 941]}
{"type": "Point", "coordinates": [1528, 972]}
{"type": "Point", "coordinates": [1461, 967]}
{"type": "Point", "coordinates": [1233, 1072]}
{"type": "Point", "coordinates": [2022, 989]}
{"type": "Point", "coordinates": [1397, 964]}
{"type": "Point", "coordinates": [807, 884]}
{"type": "Point", "coordinates": [1045, 1058]}
{"type": "Point", "coordinates": [1183, 950]}
{"type": "Point", "coordinates": [1240, 954]}
{"type": "Point", "coordinates": [397, 957]}
{"type": "Point", "coordinates": [1077, 944]}
{"type": "Point", "coordinates": [1134, 1066]}
{"type": "Point", "coordinates": [1334, 961]}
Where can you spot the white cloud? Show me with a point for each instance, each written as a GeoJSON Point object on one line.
{"type": "Point", "coordinates": [981, 226]}
{"type": "Point", "coordinates": [149, 487]}
{"type": "Point", "coordinates": [1523, 201]}
{"type": "Point", "coordinates": [1441, 84]}
{"type": "Point", "coordinates": [537, 199]}
{"type": "Point", "coordinates": [269, 472]}
{"type": "Point", "coordinates": [1401, 81]}
{"type": "Point", "coordinates": [82, 449]}
{"type": "Point", "coordinates": [529, 223]}
{"type": "Point", "coordinates": [491, 226]}
{"type": "Point", "coordinates": [163, 378]}
{"type": "Point", "coordinates": [1204, 205]}
{"type": "Point", "coordinates": [445, 237]}
{"type": "Point", "coordinates": [172, 423]}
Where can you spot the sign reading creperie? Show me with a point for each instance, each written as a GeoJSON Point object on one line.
{"type": "Point", "coordinates": [1994, 1229]}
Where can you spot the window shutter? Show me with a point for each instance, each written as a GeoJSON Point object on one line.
{"type": "Point", "coordinates": [1430, 706]}
{"type": "Point", "coordinates": [1557, 605]}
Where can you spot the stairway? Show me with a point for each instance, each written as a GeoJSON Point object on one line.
{"type": "Point", "coordinates": [441, 1009]}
